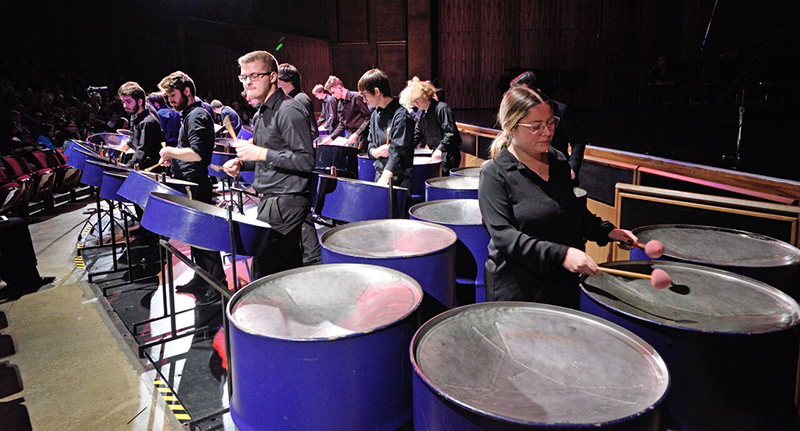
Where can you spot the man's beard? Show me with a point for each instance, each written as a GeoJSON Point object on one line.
{"type": "Point", "coordinates": [182, 104]}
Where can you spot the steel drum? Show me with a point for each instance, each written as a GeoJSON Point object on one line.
{"type": "Point", "coordinates": [351, 200]}
{"type": "Point", "coordinates": [757, 256]}
{"type": "Point", "coordinates": [323, 347]}
{"type": "Point", "coordinates": [344, 159]}
{"type": "Point", "coordinates": [244, 134]}
{"type": "Point", "coordinates": [581, 194]}
{"type": "Point", "coordinates": [425, 251]}
{"type": "Point", "coordinates": [138, 185]}
{"type": "Point", "coordinates": [93, 172]}
{"type": "Point", "coordinates": [248, 177]}
{"type": "Point", "coordinates": [451, 187]}
{"type": "Point", "coordinates": [217, 160]}
{"type": "Point", "coordinates": [366, 170]}
{"type": "Point", "coordinates": [77, 155]}
{"type": "Point", "coordinates": [518, 365]}
{"type": "Point", "coordinates": [464, 217]}
{"type": "Point", "coordinates": [470, 171]}
{"type": "Point", "coordinates": [203, 225]}
{"type": "Point", "coordinates": [109, 189]}
{"type": "Point", "coordinates": [731, 342]}
{"type": "Point", "coordinates": [423, 170]}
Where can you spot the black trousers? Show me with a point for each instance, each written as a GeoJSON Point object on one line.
{"type": "Point", "coordinates": [209, 260]}
{"type": "Point", "coordinates": [283, 248]}
{"type": "Point", "coordinates": [17, 256]}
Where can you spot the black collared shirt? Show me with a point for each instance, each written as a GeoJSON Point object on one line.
{"type": "Point", "coordinates": [146, 139]}
{"type": "Point", "coordinates": [568, 133]}
{"type": "Point", "coordinates": [437, 126]}
{"type": "Point", "coordinates": [532, 223]}
{"type": "Point", "coordinates": [401, 146]}
{"type": "Point", "coordinates": [282, 126]}
{"type": "Point", "coordinates": [329, 118]}
{"type": "Point", "coordinates": [353, 115]}
{"type": "Point", "coordinates": [304, 100]}
{"type": "Point", "coordinates": [197, 133]}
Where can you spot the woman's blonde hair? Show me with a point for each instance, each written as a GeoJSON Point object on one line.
{"type": "Point", "coordinates": [416, 89]}
{"type": "Point", "coordinates": [517, 101]}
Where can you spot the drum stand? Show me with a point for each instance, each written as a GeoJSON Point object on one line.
{"type": "Point", "coordinates": [98, 225]}
{"type": "Point", "coordinates": [129, 266]}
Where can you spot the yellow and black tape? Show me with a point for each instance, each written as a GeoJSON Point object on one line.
{"type": "Point", "coordinates": [172, 401]}
{"type": "Point", "coordinates": [79, 262]}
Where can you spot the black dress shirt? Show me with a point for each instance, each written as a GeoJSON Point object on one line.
{"type": "Point", "coordinates": [568, 133]}
{"type": "Point", "coordinates": [305, 101]}
{"type": "Point", "coordinates": [401, 146]}
{"type": "Point", "coordinates": [146, 139]}
{"type": "Point", "coordinates": [281, 126]}
{"type": "Point", "coordinates": [437, 126]}
{"type": "Point", "coordinates": [329, 118]}
{"type": "Point", "coordinates": [353, 115]}
{"type": "Point", "coordinates": [197, 133]}
{"type": "Point", "coordinates": [532, 223]}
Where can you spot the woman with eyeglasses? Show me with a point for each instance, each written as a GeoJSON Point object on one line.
{"type": "Point", "coordinates": [536, 223]}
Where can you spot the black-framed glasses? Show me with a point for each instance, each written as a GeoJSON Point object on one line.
{"type": "Point", "coordinates": [256, 76]}
{"type": "Point", "coordinates": [551, 124]}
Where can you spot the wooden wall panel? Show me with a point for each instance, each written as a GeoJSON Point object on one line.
{"type": "Point", "coordinates": [420, 51]}
{"type": "Point", "coordinates": [351, 60]}
{"type": "Point", "coordinates": [539, 14]}
{"type": "Point", "coordinates": [352, 20]}
{"type": "Point", "coordinates": [459, 15]}
{"type": "Point", "coordinates": [498, 53]}
{"type": "Point", "coordinates": [392, 60]}
{"type": "Point", "coordinates": [388, 20]}
{"type": "Point", "coordinates": [539, 48]}
{"type": "Point", "coordinates": [459, 69]}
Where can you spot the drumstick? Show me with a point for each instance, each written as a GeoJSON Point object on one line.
{"type": "Point", "coordinates": [229, 127]}
{"type": "Point", "coordinates": [659, 279]}
{"type": "Point", "coordinates": [163, 145]}
{"type": "Point", "coordinates": [216, 168]}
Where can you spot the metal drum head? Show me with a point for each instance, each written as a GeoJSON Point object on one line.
{"type": "Point", "coordinates": [423, 152]}
{"type": "Point", "coordinates": [538, 364]}
{"type": "Point", "coordinates": [423, 160]}
{"type": "Point", "coordinates": [579, 192]}
{"type": "Point", "coordinates": [720, 246]}
{"type": "Point", "coordinates": [225, 142]}
{"type": "Point", "coordinates": [449, 211]}
{"type": "Point", "coordinates": [473, 171]}
{"type": "Point", "coordinates": [700, 299]}
{"type": "Point", "coordinates": [325, 302]}
{"type": "Point", "coordinates": [458, 183]}
{"type": "Point", "coordinates": [388, 238]}
{"type": "Point", "coordinates": [110, 140]}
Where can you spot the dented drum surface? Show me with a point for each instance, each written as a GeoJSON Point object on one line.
{"type": "Point", "coordinates": [323, 347]}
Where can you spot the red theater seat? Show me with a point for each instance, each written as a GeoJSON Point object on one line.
{"type": "Point", "coordinates": [11, 193]}
{"type": "Point", "coordinates": [66, 178]}
{"type": "Point", "coordinates": [43, 179]}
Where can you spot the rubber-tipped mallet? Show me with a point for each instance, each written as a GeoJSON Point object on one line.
{"type": "Point", "coordinates": [659, 278]}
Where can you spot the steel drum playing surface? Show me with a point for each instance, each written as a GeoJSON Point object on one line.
{"type": "Point", "coordinates": [389, 238]}
{"type": "Point", "coordinates": [539, 364]}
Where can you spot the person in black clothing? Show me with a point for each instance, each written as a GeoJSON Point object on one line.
{"type": "Point", "coordinates": [282, 154]}
{"type": "Point", "coordinates": [18, 259]}
{"type": "Point", "coordinates": [352, 114]}
{"type": "Point", "coordinates": [436, 124]}
{"type": "Point", "coordinates": [395, 160]}
{"type": "Point", "coordinates": [146, 134]}
{"type": "Point", "coordinates": [536, 223]}
{"type": "Point", "coordinates": [221, 112]}
{"type": "Point", "coordinates": [568, 132]}
{"type": "Point", "coordinates": [328, 119]}
{"type": "Point", "coordinates": [189, 161]}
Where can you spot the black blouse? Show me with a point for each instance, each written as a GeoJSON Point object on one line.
{"type": "Point", "coordinates": [532, 223]}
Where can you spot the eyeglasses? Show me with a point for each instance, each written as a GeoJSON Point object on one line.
{"type": "Point", "coordinates": [254, 77]}
{"type": "Point", "coordinates": [537, 128]}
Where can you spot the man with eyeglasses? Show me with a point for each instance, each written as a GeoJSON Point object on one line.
{"type": "Point", "coordinates": [567, 133]}
{"type": "Point", "coordinates": [282, 155]}
{"type": "Point", "coordinates": [352, 112]}
{"type": "Point", "coordinates": [189, 161]}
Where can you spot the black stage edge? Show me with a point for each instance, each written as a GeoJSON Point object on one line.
{"type": "Point", "coordinates": [194, 382]}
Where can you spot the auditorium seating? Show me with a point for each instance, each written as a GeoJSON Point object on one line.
{"type": "Point", "coordinates": [43, 179]}
{"type": "Point", "coordinates": [10, 193]}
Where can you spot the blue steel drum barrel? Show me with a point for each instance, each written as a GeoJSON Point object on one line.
{"type": "Point", "coordinates": [138, 186]}
{"type": "Point", "coordinates": [323, 348]}
{"type": "Point", "coordinates": [451, 188]}
{"type": "Point", "coordinates": [519, 365]}
{"type": "Point", "coordinates": [344, 159]}
{"type": "Point", "coordinates": [366, 170]}
{"type": "Point", "coordinates": [112, 181]}
{"type": "Point", "coordinates": [464, 217]}
{"type": "Point", "coordinates": [470, 171]}
{"type": "Point", "coordinates": [77, 155]}
{"type": "Point", "coordinates": [757, 256]}
{"type": "Point", "coordinates": [350, 200]}
{"type": "Point", "coordinates": [218, 159]}
{"type": "Point", "coordinates": [423, 170]}
{"type": "Point", "coordinates": [244, 134]}
{"type": "Point", "coordinates": [203, 225]}
{"type": "Point", "coordinates": [730, 342]}
{"type": "Point", "coordinates": [423, 250]}
{"type": "Point", "coordinates": [93, 172]}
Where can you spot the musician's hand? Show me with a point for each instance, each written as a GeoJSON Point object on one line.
{"type": "Point", "coordinates": [572, 172]}
{"type": "Point", "coordinates": [232, 167]}
{"type": "Point", "coordinates": [165, 161]}
{"type": "Point", "coordinates": [382, 151]}
{"type": "Point", "coordinates": [437, 156]}
{"type": "Point", "coordinates": [579, 262]}
{"type": "Point", "coordinates": [353, 139]}
{"type": "Point", "coordinates": [625, 237]}
{"type": "Point", "coordinates": [326, 141]}
{"type": "Point", "coordinates": [250, 153]}
{"type": "Point", "coordinates": [385, 178]}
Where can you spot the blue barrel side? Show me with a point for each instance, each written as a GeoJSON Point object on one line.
{"type": "Point", "coordinates": [439, 193]}
{"type": "Point", "coordinates": [366, 170]}
{"type": "Point", "coordinates": [110, 187]}
{"type": "Point", "coordinates": [420, 174]}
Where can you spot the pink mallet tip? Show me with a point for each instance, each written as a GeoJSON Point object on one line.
{"type": "Point", "coordinates": [660, 279]}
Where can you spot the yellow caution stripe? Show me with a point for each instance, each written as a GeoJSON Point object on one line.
{"type": "Point", "coordinates": [172, 401]}
{"type": "Point", "coordinates": [79, 262]}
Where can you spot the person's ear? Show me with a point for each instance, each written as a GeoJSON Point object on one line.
{"type": "Point", "coordinates": [187, 92]}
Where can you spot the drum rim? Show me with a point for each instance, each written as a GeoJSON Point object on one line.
{"type": "Point", "coordinates": [781, 243]}
{"type": "Point", "coordinates": [170, 180]}
{"type": "Point", "coordinates": [108, 167]}
{"type": "Point", "coordinates": [173, 199]}
{"type": "Point", "coordinates": [465, 168]}
{"type": "Point", "coordinates": [431, 182]}
{"type": "Point", "coordinates": [333, 231]}
{"type": "Point", "coordinates": [252, 286]}
{"type": "Point", "coordinates": [357, 181]}
{"type": "Point", "coordinates": [439, 202]}
{"type": "Point", "coordinates": [772, 290]}
{"type": "Point", "coordinates": [426, 327]}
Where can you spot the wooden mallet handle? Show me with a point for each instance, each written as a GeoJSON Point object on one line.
{"type": "Point", "coordinates": [163, 145]}
{"type": "Point", "coordinates": [622, 273]}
